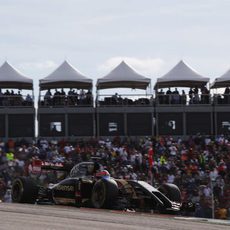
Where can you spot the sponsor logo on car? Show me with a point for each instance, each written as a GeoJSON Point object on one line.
{"type": "Point", "coordinates": [66, 188]}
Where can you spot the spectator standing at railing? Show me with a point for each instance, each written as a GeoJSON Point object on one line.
{"type": "Point", "coordinates": [12, 98]}
{"type": "Point", "coordinates": [175, 97]}
{"type": "Point", "coordinates": [207, 96]}
{"type": "Point", "coordinates": [191, 93]}
{"type": "Point", "coordinates": [115, 98]}
{"type": "Point", "coordinates": [7, 93]}
{"type": "Point", "coordinates": [168, 96]}
{"type": "Point", "coordinates": [89, 97]}
{"type": "Point", "coordinates": [6, 98]}
{"type": "Point", "coordinates": [160, 96]}
{"type": "Point", "coordinates": [71, 98]}
{"type": "Point", "coordinates": [1, 97]}
{"type": "Point", "coordinates": [48, 97]}
{"type": "Point", "coordinates": [204, 95]}
{"type": "Point", "coordinates": [28, 100]}
{"type": "Point", "coordinates": [56, 97]}
{"type": "Point", "coordinates": [196, 95]}
{"type": "Point", "coordinates": [183, 98]}
{"type": "Point", "coordinates": [62, 97]}
{"type": "Point", "coordinates": [18, 99]}
{"type": "Point", "coordinates": [227, 95]}
{"type": "Point", "coordinates": [82, 96]}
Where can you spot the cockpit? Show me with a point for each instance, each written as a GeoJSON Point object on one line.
{"type": "Point", "coordinates": [85, 169]}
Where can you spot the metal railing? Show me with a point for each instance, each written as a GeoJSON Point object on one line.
{"type": "Point", "coordinates": [16, 100]}
{"type": "Point", "coordinates": [183, 99]}
{"type": "Point", "coordinates": [221, 99]}
{"type": "Point", "coordinates": [124, 100]}
{"type": "Point", "coordinates": [115, 100]}
{"type": "Point", "coordinates": [65, 101]}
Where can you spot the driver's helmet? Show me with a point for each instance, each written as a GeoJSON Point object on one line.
{"type": "Point", "coordinates": [103, 174]}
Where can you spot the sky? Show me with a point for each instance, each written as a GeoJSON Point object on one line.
{"type": "Point", "coordinates": [152, 36]}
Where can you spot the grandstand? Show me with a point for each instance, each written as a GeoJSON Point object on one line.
{"type": "Point", "coordinates": [67, 108]}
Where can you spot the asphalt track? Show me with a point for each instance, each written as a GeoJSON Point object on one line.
{"type": "Point", "coordinates": [34, 217]}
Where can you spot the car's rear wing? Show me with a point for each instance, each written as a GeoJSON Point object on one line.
{"type": "Point", "coordinates": [56, 166]}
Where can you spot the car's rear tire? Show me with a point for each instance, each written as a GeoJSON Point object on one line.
{"type": "Point", "coordinates": [104, 193]}
{"type": "Point", "coordinates": [24, 190]}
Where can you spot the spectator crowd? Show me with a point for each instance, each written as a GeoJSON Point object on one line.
{"type": "Point", "coordinates": [194, 96]}
{"type": "Point", "coordinates": [10, 98]}
{"type": "Point", "coordinates": [128, 100]}
{"type": "Point", "coordinates": [199, 165]}
{"type": "Point", "coordinates": [71, 98]}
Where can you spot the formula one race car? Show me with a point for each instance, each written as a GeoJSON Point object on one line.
{"type": "Point", "coordinates": [88, 186]}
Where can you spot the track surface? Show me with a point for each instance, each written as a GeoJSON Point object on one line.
{"type": "Point", "coordinates": [34, 217]}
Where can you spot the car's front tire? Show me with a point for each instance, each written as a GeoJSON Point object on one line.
{"type": "Point", "coordinates": [105, 191]}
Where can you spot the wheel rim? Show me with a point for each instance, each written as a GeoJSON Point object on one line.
{"type": "Point", "coordinates": [99, 196]}
{"type": "Point", "coordinates": [16, 192]}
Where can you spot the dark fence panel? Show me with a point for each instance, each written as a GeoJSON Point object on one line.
{"type": "Point", "coordinates": [139, 124]}
{"type": "Point", "coordinates": [21, 125]}
{"type": "Point", "coordinates": [198, 123]}
{"type": "Point", "coordinates": [80, 124]}
{"type": "Point", "coordinates": [2, 126]}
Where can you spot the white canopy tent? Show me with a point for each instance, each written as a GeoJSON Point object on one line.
{"type": "Point", "coordinates": [123, 76]}
{"type": "Point", "coordinates": [181, 76]}
{"type": "Point", "coordinates": [65, 76]}
{"type": "Point", "coordinates": [12, 78]}
{"type": "Point", "coordinates": [222, 81]}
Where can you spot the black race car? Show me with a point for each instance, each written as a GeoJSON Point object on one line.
{"type": "Point", "coordinates": [89, 186]}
